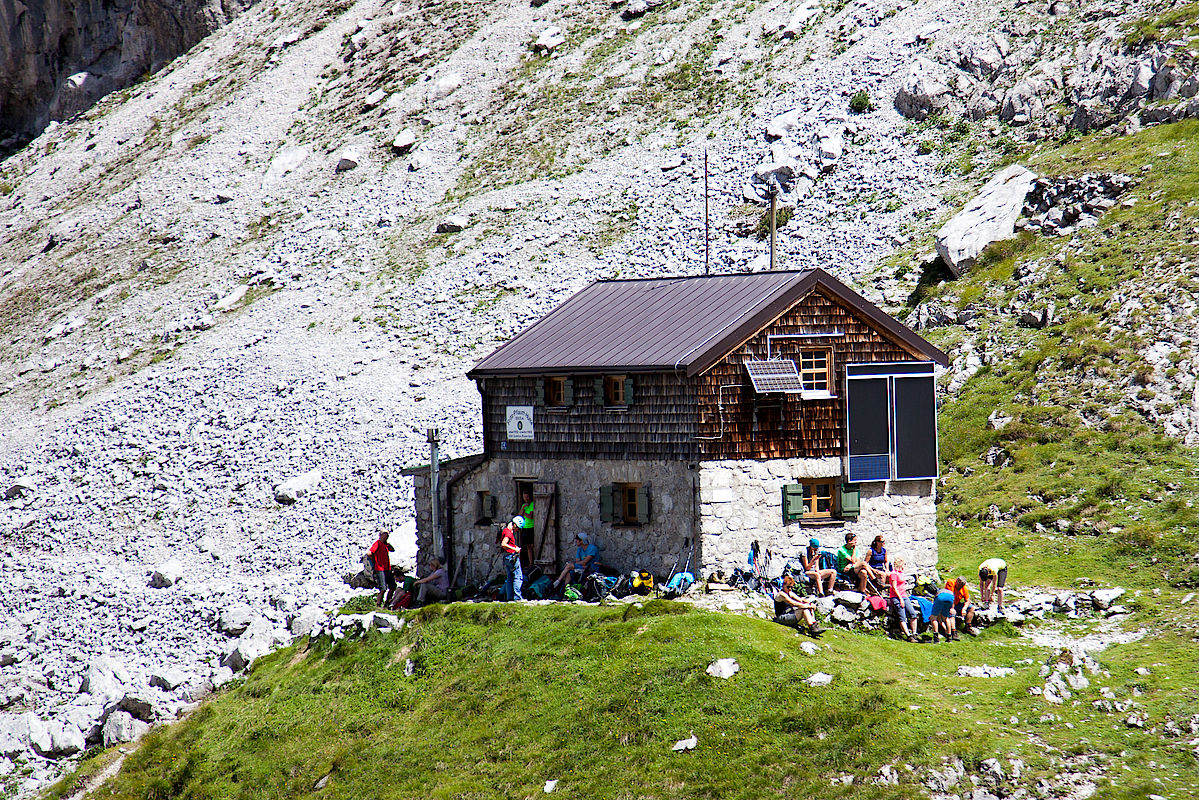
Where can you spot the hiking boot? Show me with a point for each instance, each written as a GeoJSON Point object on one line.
{"type": "Point", "coordinates": [815, 631]}
{"type": "Point", "coordinates": [936, 638]}
{"type": "Point", "coordinates": [953, 636]}
{"type": "Point", "coordinates": [913, 638]}
{"type": "Point", "coordinates": [971, 631]}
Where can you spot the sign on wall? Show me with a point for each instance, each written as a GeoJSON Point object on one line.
{"type": "Point", "coordinates": [520, 423]}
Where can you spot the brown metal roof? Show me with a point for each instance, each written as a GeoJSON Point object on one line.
{"type": "Point", "coordinates": [671, 323]}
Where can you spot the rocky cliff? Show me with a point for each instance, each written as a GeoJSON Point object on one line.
{"type": "Point", "coordinates": [57, 57]}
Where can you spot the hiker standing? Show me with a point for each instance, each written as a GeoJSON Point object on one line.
{"type": "Point", "coordinates": [992, 575]}
{"type": "Point", "coordinates": [527, 516]}
{"type": "Point", "coordinates": [515, 578]}
{"type": "Point", "coordinates": [380, 553]}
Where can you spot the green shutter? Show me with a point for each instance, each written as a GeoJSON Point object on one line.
{"type": "Point", "coordinates": [643, 510]}
{"type": "Point", "coordinates": [851, 500]}
{"type": "Point", "coordinates": [539, 398]}
{"type": "Point", "coordinates": [606, 492]}
{"type": "Point", "coordinates": [599, 391]}
{"type": "Point", "coordinates": [792, 502]}
{"type": "Point", "coordinates": [568, 392]}
{"type": "Point", "coordinates": [628, 391]}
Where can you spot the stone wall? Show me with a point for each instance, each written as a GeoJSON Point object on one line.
{"type": "Point", "coordinates": [654, 546]}
{"type": "Point", "coordinates": [741, 501]}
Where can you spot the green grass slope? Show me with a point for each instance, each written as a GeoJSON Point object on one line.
{"type": "Point", "coordinates": [504, 698]}
{"type": "Point", "coordinates": [1093, 487]}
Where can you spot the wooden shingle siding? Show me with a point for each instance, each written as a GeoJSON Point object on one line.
{"type": "Point", "coordinates": [778, 425]}
{"type": "Point", "coordinates": [660, 423]}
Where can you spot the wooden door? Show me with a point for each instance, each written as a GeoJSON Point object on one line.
{"type": "Point", "coordinates": [545, 530]}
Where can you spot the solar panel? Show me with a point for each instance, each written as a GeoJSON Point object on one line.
{"type": "Point", "coordinates": [776, 375]}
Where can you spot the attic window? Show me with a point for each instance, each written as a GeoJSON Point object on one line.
{"type": "Point", "coordinates": [814, 370]}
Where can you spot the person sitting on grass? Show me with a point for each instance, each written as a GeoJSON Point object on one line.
{"type": "Point", "coordinates": [380, 554]}
{"type": "Point", "coordinates": [963, 609]}
{"type": "Point", "coordinates": [789, 607]}
{"type": "Point", "coordinates": [904, 604]}
{"type": "Point", "coordinates": [586, 556]}
{"type": "Point", "coordinates": [810, 559]}
{"type": "Point", "coordinates": [850, 568]}
{"type": "Point", "coordinates": [435, 586]}
{"type": "Point", "coordinates": [942, 616]}
{"type": "Point", "coordinates": [992, 575]}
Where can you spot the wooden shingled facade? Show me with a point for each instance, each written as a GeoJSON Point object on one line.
{"type": "Point", "coordinates": [659, 424]}
{"type": "Point", "coordinates": [775, 425]}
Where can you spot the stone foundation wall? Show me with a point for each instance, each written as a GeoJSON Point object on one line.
{"type": "Point", "coordinates": [741, 501]}
{"type": "Point", "coordinates": [653, 546]}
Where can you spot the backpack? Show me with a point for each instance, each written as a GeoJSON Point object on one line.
{"type": "Point", "coordinates": [540, 588]}
{"type": "Point", "coordinates": [828, 559]}
{"type": "Point", "coordinates": [641, 582]}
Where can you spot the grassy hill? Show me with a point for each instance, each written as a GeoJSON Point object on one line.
{"type": "Point", "coordinates": [502, 699]}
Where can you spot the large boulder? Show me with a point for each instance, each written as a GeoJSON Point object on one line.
{"type": "Point", "coordinates": [923, 91]}
{"type": "Point", "coordinates": [105, 681]}
{"type": "Point", "coordinates": [293, 489]}
{"type": "Point", "coordinates": [990, 217]}
{"type": "Point", "coordinates": [121, 727]}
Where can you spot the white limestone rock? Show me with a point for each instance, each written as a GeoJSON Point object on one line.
{"type": "Point", "coordinates": [923, 91]}
{"type": "Point", "coordinates": [724, 668]}
{"type": "Point", "coordinates": [818, 679]}
{"type": "Point", "coordinates": [121, 727]}
{"type": "Point", "coordinates": [549, 40]}
{"type": "Point", "coordinates": [990, 217]}
{"type": "Point", "coordinates": [293, 489]}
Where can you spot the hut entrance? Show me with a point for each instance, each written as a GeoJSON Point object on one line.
{"type": "Point", "coordinates": [541, 542]}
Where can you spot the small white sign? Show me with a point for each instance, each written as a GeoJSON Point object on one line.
{"type": "Point", "coordinates": [520, 423]}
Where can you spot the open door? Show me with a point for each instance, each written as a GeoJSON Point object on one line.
{"type": "Point", "coordinates": [545, 533]}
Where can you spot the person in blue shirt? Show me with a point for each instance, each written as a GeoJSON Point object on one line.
{"type": "Point", "coordinates": [586, 560]}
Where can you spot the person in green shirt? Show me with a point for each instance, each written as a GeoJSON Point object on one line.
{"type": "Point", "coordinates": [526, 528]}
{"type": "Point", "coordinates": [849, 566]}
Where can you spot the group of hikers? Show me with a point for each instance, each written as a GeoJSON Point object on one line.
{"type": "Point", "coordinates": [877, 576]}
{"type": "Point", "coordinates": [883, 580]}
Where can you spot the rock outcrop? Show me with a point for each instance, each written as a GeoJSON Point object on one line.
{"type": "Point", "coordinates": [56, 59]}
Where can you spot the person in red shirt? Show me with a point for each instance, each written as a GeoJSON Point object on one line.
{"type": "Point", "coordinates": [380, 553]}
{"type": "Point", "coordinates": [515, 579]}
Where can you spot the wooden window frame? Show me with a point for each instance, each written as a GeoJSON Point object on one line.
{"type": "Point", "coordinates": [614, 394]}
{"type": "Point", "coordinates": [811, 500]}
{"type": "Point", "coordinates": [816, 374]}
{"type": "Point", "coordinates": [555, 392]}
{"type": "Point", "coordinates": [626, 504]}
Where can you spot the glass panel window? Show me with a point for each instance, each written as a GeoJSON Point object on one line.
{"type": "Point", "coordinates": [626, 496]}
{"type": "Point", "coordinates": [614, 390]}
{"type": "Point", "coordinates": [818, 499]}
{"type": "Point", "coordinates": [555, 391]}
{"type": "Point", "coordinates": [814, 371]}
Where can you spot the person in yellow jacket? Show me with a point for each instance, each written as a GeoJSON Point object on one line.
{"type": "Point", "coordinates": [992, 576]}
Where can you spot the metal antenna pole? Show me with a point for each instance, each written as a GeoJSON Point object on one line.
{"type": "Point", "coordinates": [434, 492]}
{"type": "Point", "coordinates": [774, 197]}
{"type": "Point", "coordinates": [706, 228]}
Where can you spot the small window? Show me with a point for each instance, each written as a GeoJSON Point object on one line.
{"type": "Point", "coordinates": [614, 390]}
{"type": "Point", "coordinates": [555, 392]}
{"type": "Point", "coordinates": [814, 370]}
{"type": "Point", "coordinates": [625, 504]}
{"type": "Point", "coordinates": [486, 508]}
{"type": "Point", "coordinates": [808, 500]}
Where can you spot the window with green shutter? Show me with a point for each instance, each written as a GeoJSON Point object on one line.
{"type": "Point", "coordinates": [851, 500]}
{"type": "Point", "coordinates": [607, 502]}
{"type": "Point", "coordinates": [792, 502]}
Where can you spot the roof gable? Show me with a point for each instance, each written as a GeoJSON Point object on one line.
{"type": "Point", "coordinates": [670, 323]}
